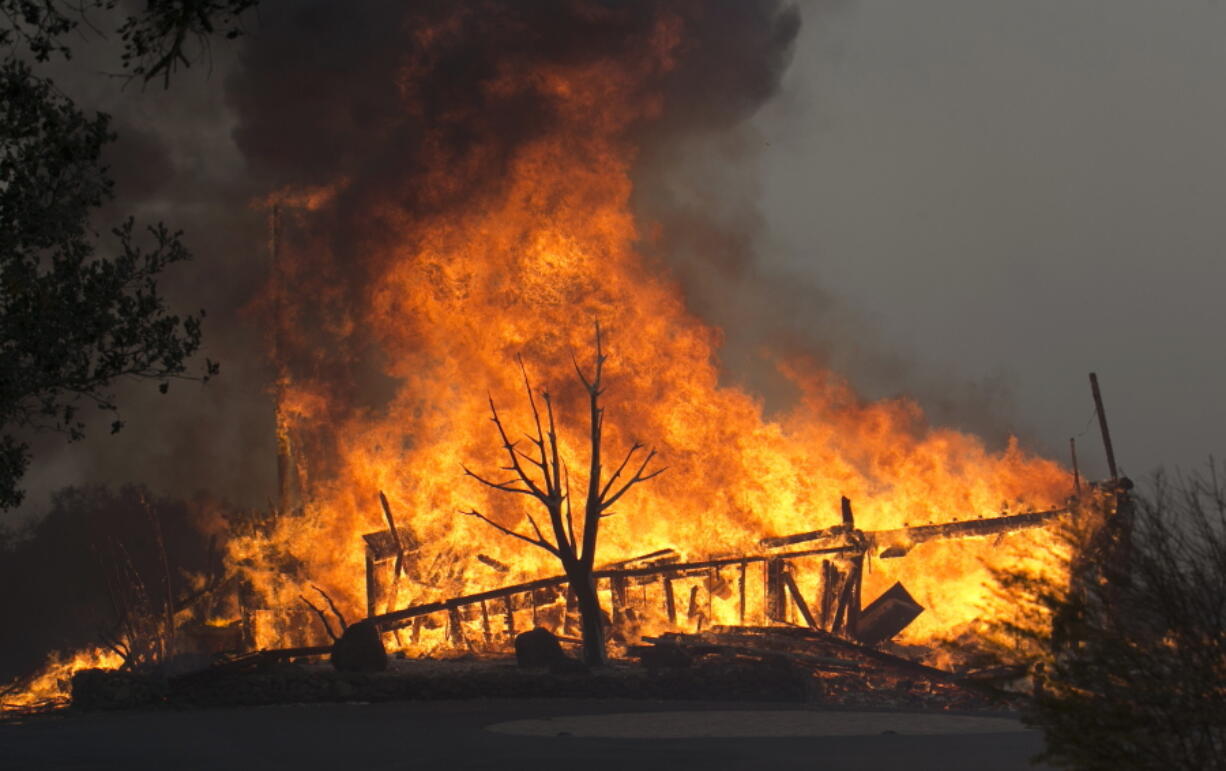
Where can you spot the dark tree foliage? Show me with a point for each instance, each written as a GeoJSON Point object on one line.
{"type": "Point", "coordinates": [156, 41]}
{"type": "Point", "coordinates": [74, 565]}
{"type": "Point", "coordinates": [77, 311]}
{"type": "Point", "coordinates": [1129, 653]}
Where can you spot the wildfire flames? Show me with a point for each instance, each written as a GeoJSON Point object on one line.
{"type": "Point", "coordinates": [524, 268]}
{"type": "Point", "coordinates": [483, 268]}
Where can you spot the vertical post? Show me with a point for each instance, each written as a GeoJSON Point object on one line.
{"type": "Point", "coordinates": [670, 603]}
{"type": "Point", "coordinates": [713, 578]}
{"type": "Point", "coordinates": [830, 592]}
{"type": "Point", "coordinates": [799, 600]}
{"type": "Point", "coordinates": [774, 590]}
{"type": "Point", "coordinates": [455, 627]}
{"type": "Point", "coordinates": [694, 613]}
{"type": "Point", "coordinates": [848, 614]}
{"type": "Point", "coordinates": [1072, 448]}
{"type": "Point", "coordinates": [617, 587]}
{"type": "Point", "coordinates": [853, 603]}
{"type": "Point", "coordinates": [1102, 425]}
{"type": "Point", "coordinates": [485, 624]}
{"type": "Point", "coordinates": [371, 593]}
{"type": "Point", "coordinates": [741, 589]}
{"type": "Point", "coordinates": [509, 616]}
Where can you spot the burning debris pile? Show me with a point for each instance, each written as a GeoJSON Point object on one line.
{"type": "Point", "coordinates": [659, 590]}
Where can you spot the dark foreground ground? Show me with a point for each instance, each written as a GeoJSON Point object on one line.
{"type": "Point", "coordinates": [456, 735]}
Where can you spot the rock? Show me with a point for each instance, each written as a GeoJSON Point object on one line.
{"type": "Point", "coordinates": [538, 649]}
{"type": "Point", "coordinates": [360, 649]}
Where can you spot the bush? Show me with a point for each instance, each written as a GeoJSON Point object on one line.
{"type": "Point", "coordinates": [1129, 648]}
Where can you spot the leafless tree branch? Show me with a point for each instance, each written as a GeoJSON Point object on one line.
{"type": "Point", "coordinates": [539, 541]}
{"type": "Point", "coordinates": [335, 611]}
{"type": "Point", "coordinates": [322, 617]}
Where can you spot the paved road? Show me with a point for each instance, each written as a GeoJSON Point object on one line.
{"type": "Point", "coordinates": [458, 735]}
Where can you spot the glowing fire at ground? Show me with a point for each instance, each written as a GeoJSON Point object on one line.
{"type": "Point", "coordinates": [50, 686]}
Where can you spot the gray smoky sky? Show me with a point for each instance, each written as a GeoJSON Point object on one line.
{"type": "Point", "coordinates": [973, 202]}
{"type": "Point", "coordinates": [1017, 193]}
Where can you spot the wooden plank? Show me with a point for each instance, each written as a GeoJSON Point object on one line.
{"type": "Point", "coordinates": [967, 528]}
{"type": "Point", "coordinates": [887, 615]}
{"type": "Point", "coordinates": [396, 618]}
{"type": "Point", "coordinates": [832, 582]}
{"type": "Point", "coordinates": [694, 611]}
{"type": "Point", "coordinates": [617, 587]}
{"type": "Point", "coordinates": [773, 591]}
{"type": "Point", "coordinates": [670, 603]}
{"type": "Point", "coordinates": [485, 625]}
{"type": "Point", "coordinates": [856, 580]}
{"type": "Point", "coordinates": [371, 592]}
{"type": "Point", "coordinates": [455, 628]}
{"type": "Point", "coordinates": [741, 589]}
{"type": "Point", "coordinates": [790, 583]}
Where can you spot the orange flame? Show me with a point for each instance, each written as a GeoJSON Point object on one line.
{"type": "Point", "coordinates": [51, 686]}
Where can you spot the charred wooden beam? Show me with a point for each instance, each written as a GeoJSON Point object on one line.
{"type": "Point", "coordinates": [790, 584]}
{"type": "Point", "coordinates": [832, 584]}
{"type": "Point", "coordinates": [371, 586]}
{"type": "Point", "coordinates": [396, 619]}
{"type": "Point", "coordinates": [489, 561]}
{"type": "Point", "coordinates": [694, 611]}
{"type": "Point", "coordinates": [617, 588]}
{"type": "Point", "coordinates": [658, 557]}
{"type": "Point", "coordinates": [509, 615]}
{"type": "Point", "coordinates": [741, 589]}
{"type": "Point", "coordinates": [847, 609]}
{"type": "Point", "coordinates": [773, 590]}
{"type": "Point", "coordinates": [908, 536]}
{"type": "Point", "coordinates": [855, 581]}
{"type": "Point", "coordinates": [670, 602]}
{"type": "Point", "coordinates": [455, 628]}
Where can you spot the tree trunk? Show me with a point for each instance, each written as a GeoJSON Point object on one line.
{"type": "Point", "coordinates": [590, 614]}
